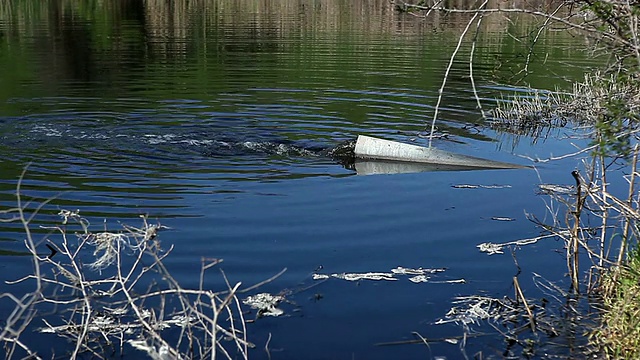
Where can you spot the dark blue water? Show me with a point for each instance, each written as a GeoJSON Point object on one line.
{"type": "Point", "coordinates": [222, 139]}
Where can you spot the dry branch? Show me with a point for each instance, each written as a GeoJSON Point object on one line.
{"type": "Point", "coordinates": [104, 304]}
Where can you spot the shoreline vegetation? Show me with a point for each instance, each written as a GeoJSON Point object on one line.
{"type": "Point", "coordinates": [599, 229]}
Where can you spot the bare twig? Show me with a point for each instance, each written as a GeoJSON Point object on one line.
{"type": "Point", "coordinates": [446, 73]}
{"type": "Point", "coordinates": [109, 305]}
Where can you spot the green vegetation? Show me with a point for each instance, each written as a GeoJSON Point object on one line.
{"type": "Point", "coordinates": [619, 333]}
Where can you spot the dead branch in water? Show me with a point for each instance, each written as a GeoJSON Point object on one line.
{"type": "Point", "coordinates": [98, 282]}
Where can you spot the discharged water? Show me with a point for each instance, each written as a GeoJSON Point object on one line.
{"type": "Point", "coordinates": [214, 118]}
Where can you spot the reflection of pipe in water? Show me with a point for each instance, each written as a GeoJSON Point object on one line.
{"type": "Point", "coordinates": [369, 167]}
{"type": "Point", "coordinates": [378, 156]}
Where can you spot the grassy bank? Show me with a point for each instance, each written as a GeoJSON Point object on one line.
{"type": "Point", "coordinates": [599, 224]}
{"type": "Point", "coordinates": [619, 334]}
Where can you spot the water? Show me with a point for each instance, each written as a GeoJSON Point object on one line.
{"type": "Point", "coordinates": [213, 117]}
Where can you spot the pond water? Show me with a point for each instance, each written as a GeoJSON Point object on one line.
{"type": "Point", "coordinates": [212, 118]}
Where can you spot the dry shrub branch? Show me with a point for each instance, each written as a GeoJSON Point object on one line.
{"type": "Point", "coordinates": [611, 28]}
{"type": "Point", "coordinates": [111, 294]}
{"type": "Point", "coordinates": [598, 226]}
{"type": "Point", "coordinates": [611, 24]}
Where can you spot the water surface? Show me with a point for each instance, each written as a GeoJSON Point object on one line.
{"type": "Point", "coordinates": [212, 117]}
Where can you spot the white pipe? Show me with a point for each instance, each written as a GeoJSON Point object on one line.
{"type": "Point", "coordinates": [378, 149]}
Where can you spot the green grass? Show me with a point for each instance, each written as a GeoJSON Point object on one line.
{"type": "Point", "coordinates": [619, 333]}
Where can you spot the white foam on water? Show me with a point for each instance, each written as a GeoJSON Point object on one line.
{"type": "Point", "coordinates": [196, 142]}
{"type": "Point", "coordinates": [47, 130]}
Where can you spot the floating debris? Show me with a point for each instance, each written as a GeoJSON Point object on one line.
{"type": "Point", "coordinates": [161, 352]}
{"type": "Point", "coordinates": [418, 275]}
{"type": "Point", "coordinates": [419, 279]}
{"type": "Point", "coordinates": [470, 186]}
{"type": "Point", "coordinates": [552, 189]}
{"type": "Point", "coordinates": [265, 303]}
{"type": "Point", "coordinates": [493, 249]}
{"type": "Point", "coordinates": [530, 322]}
{"type": "Point", "coordinates": [365, 276]}
{"type": "Point", "coordinates": [556, 189]}
{"type": "Point", "coordinates": [473, 309]}
{"type": "Point", "coordinates": [112, 322]}
{"type": "Point", "coordinates": [419, 271]}
{"type": "Point", "coordinates": [456, 281]}
{"type": "Point", "coordinates": [501, 218]}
